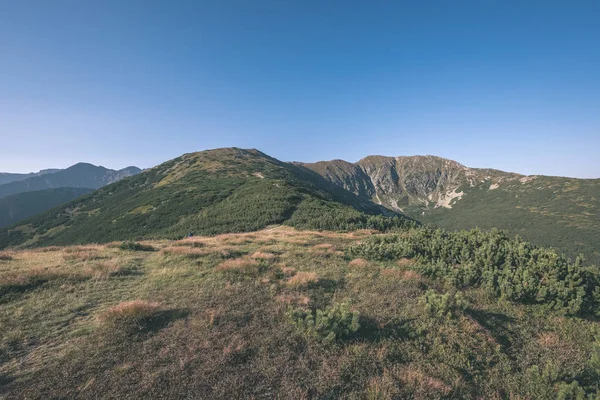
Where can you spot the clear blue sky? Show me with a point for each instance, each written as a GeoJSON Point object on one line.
{"type": "Point", "coordinates": [513, 85]}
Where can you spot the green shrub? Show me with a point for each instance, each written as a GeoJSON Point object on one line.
{"type": "Point", "coordinates": [336, 322]}
{"type": "Point", "coordinates": [508, 268]}
{"type": "Point", "coordinates": [443, 305]}
{"type": "Point", "coordinates": [135, 246]}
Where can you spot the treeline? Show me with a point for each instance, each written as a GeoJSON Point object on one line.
{"type": "Point", "coordinates": [508, 268]}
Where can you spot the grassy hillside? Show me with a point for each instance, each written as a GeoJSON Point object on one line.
{"type": "Point", "coordinates": [20, 206]}
{"type": "Point", "coordinates": [211, 192]}
{"type": "Point", "coordinates": [282, 313]}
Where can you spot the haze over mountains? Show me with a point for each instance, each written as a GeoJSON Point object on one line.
{"type": "Point", "coordinates": [79, 175]}
{"type": "Point", "coordinates": [233, 189]}
{"type": "Point", "coordinates": [23, 195]}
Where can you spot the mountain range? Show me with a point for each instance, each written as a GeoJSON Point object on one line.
{"type": "Point", "coordinates": [552, 211]}
{"type": "Point", "coordinates": [23, 195]}
{"type": "Point", "coordinates": [235, 190]}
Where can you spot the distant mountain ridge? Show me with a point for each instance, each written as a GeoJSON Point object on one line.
{"type": "Point", "coordinates": [7, 177]}
{"type": "Point", "coordinates": [81, 175]}
{"type": "Point", "coordinates": [550, 211]}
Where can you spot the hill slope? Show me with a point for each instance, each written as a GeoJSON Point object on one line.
{"type": "Point", "coordinates": [16, 207]}
{"type": "Point", "coordinates": [79, 175]}
{"type": "Point", "coordinates": [287, 314]}
{"type": "Point", "coordinates": [550, 211]}
{"type": "Point", "coordinates": [216, 191]}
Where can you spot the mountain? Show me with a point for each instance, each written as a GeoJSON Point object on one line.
{"type": "Point", "coordinates": [215, 191]}
{"type": "Point", "coordinates": [16, 207]}
{"type": "Point", "coordinates": [6, 177]}
{"type": "Point", "coordinates": [552, 211]}
{"type": "Point", "coordinates": [80, 175]}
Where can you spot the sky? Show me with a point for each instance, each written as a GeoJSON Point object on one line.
{"type": "Point", "coordinates": [512, 85]}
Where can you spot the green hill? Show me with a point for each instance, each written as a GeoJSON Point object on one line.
{"type": "Point", "coordinates": [20, 206]}
{"type": "Point", "coordinates": [210, 192]}
{"type": "Point", "coordinates": [551, 211]}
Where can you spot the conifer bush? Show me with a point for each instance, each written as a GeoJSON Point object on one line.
{"type": "Point", "coordinates": [336, 322]}
{"type": "Point", "coordinates": [446, 305]}
{"type": "Point", "coordinates": [509, 268]}
{"type": "Point", "coordinates": [135, 246]}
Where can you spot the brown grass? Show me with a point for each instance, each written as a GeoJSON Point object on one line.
{"type": "Point", "coordinates": [259, 255]}
{"type": "Point", "coordinates": [303, 279]}
{"type": "Point", "coordinates": [30, 276]}
{"type": "Point", "coordinates": [190, 252]}
{"type": "Point", "coordinates": [129, 310]}
{"type": "Point", "coordinates": [241, 264]}
{"type": "Point", "coordinates": [358, 262]}
{"type": "Point", "coordinates": [293, 299]}
{"type": "Point", "coordinates": [548, 340]}
{"type": "Point", "coordinates": [104, 270]}
{"type": "Point", "coordinates": [424, 386]}
{"type": "Point", "coordinates": [83, 255]}
{"type": "Point", "coordinates": [411, 275]}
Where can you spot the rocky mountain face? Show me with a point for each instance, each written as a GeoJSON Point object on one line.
{"type": "Point", "coordinates": [551, 211]}
{"type": "Point", "coordinates": [82, 175]}
{"type": "Point", "coordinates": [402, 182]}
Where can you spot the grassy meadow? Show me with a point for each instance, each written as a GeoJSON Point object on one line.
{"type": "Point", "coordinates": [276, 314]}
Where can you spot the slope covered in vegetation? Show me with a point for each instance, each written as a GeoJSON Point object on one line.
{"type": "Point", "coordinates": [211, 192]}
{"type": "Point", "coordinates": [20, 206]}
{"type": "Point", "coordinates": [282, 313]}
{"type": "Point", "coordinates": [551, 211]}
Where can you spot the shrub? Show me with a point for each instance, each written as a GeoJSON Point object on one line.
{"type": "Point", "coordinates": [5, 257]}
{"type": "Point", "coordinates": [443, 305]}
{"type": "Point", "coordinates": [508, 268]}
{"type": "Point", "coordinates": [336, 322]}
{"type": "Point", "coordinates": [135, 246]}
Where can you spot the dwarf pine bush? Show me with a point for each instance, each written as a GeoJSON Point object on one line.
{"type": "Point", "coordinates": [334, 323]}
{"type": "Point", "coordinates": [508, 268]}
{"type": "Point", "coordinates": [445, 305]}
{"type": "Point", "coordinates": [135, 246]}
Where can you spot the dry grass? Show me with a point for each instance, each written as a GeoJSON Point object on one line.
{"type": "Point", "coordinates": [548, 340]}
{"type": "Point", "coordinates": [422, 385]}
{"type": "Point", "coordinates": [4, 256]}
{"type": "Point", "coordinates": [259, 255]}
{"type": "Point", "coordinates": [303, 278]}
{"type": "Point", "coordinates": [241, 265]}
{"type": "Point", "coordinates": [83, 255]}
{"type": "Point", "coordinates": [50, 248]}
{"type": "Point", "coordinates": [190, 252]}
{"type": "Point", "coordinates": [104, 270]}
{"type": "Point", "coordinates": [128, 311]}
{"type": "Point", "coordinates": [411, 275]}
{"type": "Point", "coordinates": [293, 299]}
{"type": "Point", "coordinates": [358, 262]}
